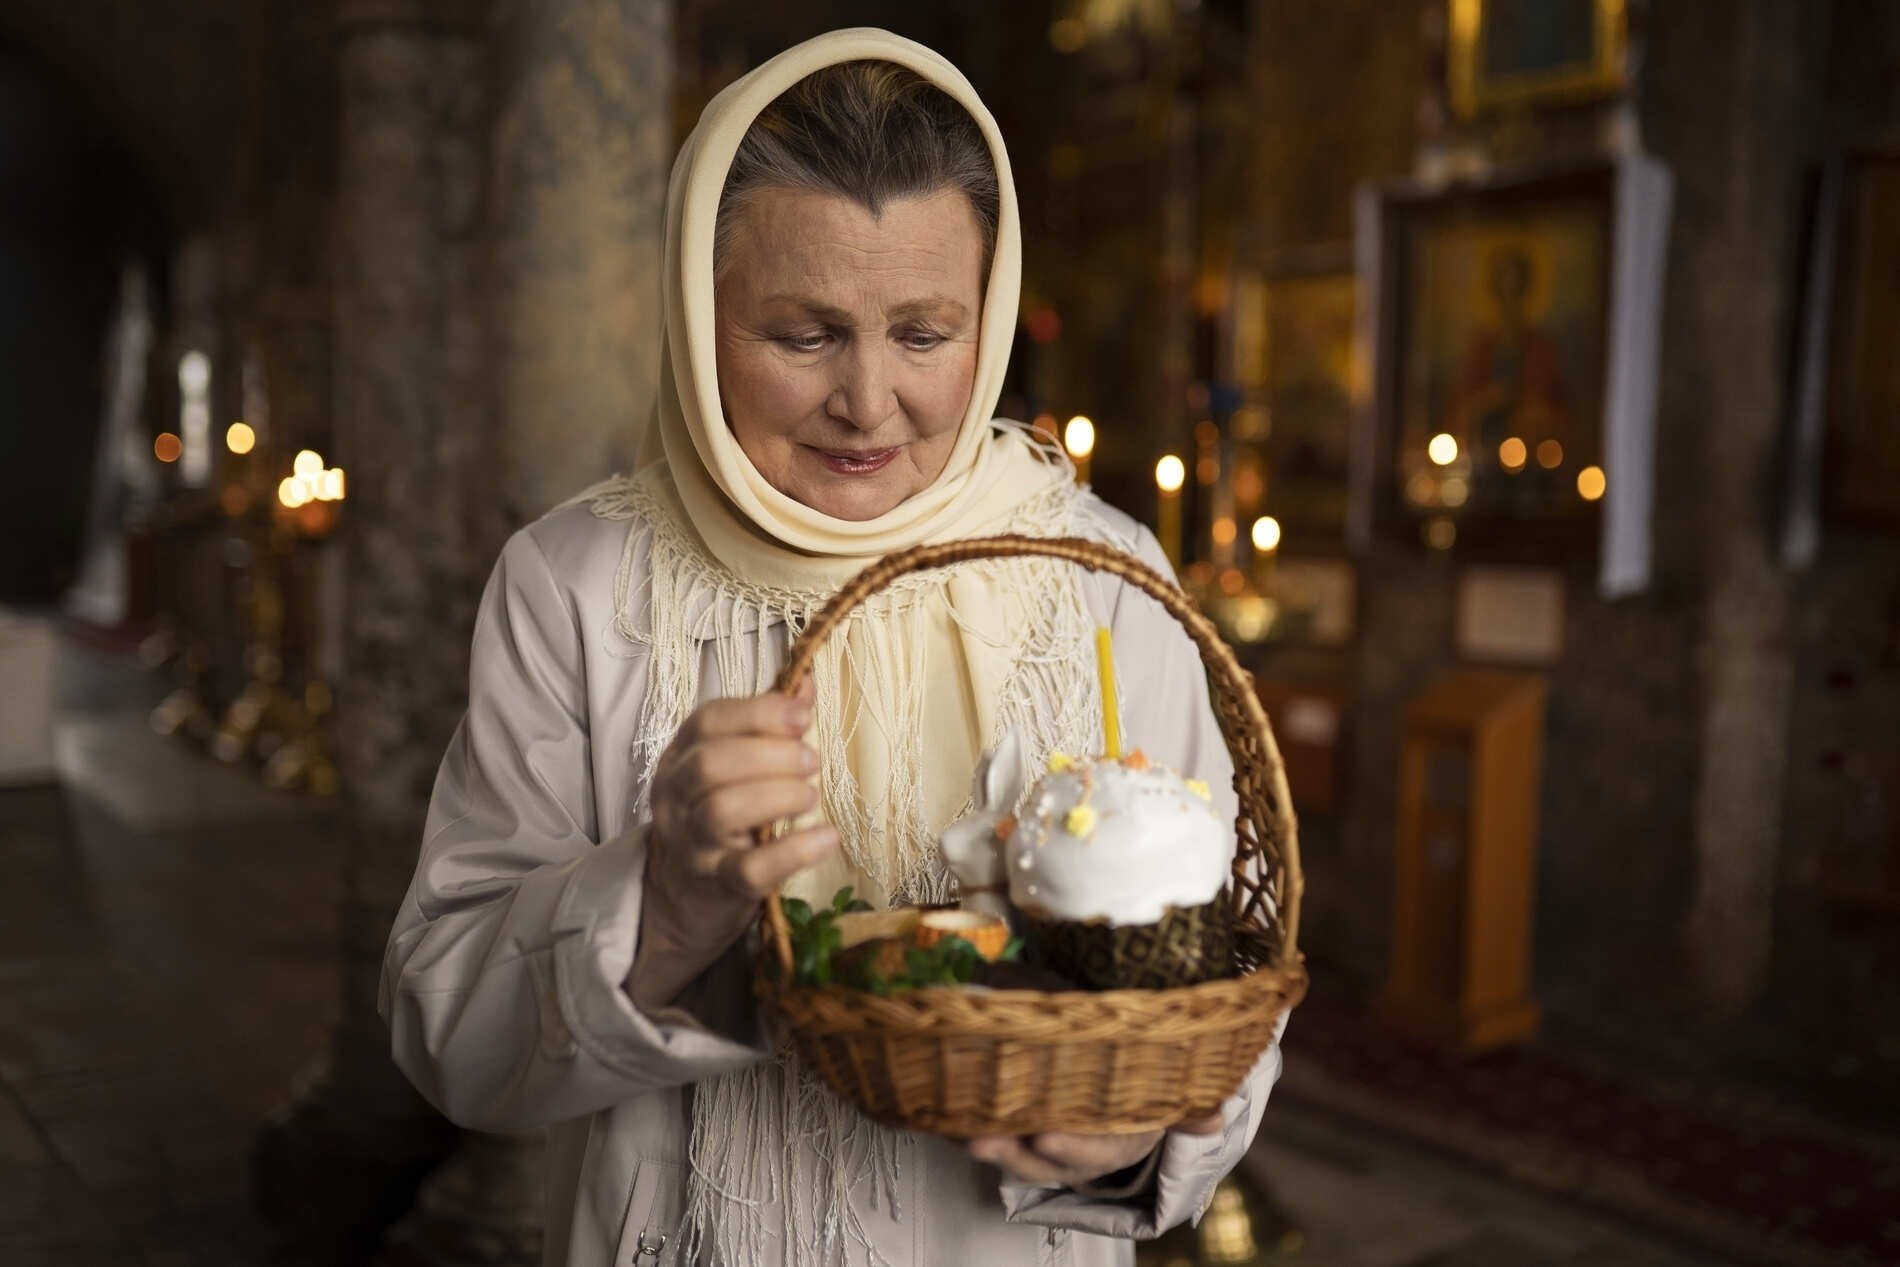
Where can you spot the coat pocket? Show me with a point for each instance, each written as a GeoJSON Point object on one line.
{"type": "Point", "coordinates": [650, 1228]}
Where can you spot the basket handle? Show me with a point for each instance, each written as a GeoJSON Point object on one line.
{"type": "Point", "coordinates": [1266, 824]}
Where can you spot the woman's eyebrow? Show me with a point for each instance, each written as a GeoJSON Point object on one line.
{"type": "Point", "coordinates": [822, 311]}
{"type": "Point", "coordinates": [942, 307]}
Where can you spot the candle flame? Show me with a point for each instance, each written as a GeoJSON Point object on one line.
{"type": "Point", "coordinates": [1170, 474]}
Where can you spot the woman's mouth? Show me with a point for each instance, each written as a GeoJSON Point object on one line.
{"type": "Point", "coordinates": [856, 461]}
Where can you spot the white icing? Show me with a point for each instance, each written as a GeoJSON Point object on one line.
{"type": "Point", "coordinates": [1154, 843]}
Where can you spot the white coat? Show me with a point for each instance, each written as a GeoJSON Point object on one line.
{"type": "Point", "coordinates": [503, 983]}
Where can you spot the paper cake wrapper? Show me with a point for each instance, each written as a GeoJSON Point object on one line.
{"type": "Point", "coordinates": [1186, 947]}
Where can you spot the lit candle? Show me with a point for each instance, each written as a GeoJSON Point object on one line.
{"type": "Point", "coordinates": [1170, 474]}
{"type": "Point", "coordinates": [1111, 711]}
{"type": "Point", "coordinates": [1079, 439]}
{"type": "Point", "coordinates": [1266, 548]}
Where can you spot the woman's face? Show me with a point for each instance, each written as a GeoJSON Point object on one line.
{"type": "Point", "coordinates": [847, 343]}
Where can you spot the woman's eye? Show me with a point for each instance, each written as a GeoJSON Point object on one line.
{"type": "Point", "coordinates": [812, 341]}
{"type": "Point", "coordinates": [920, 340]}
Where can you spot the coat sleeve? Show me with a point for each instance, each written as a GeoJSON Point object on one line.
{"type": "Point", "coordinates": [1169, 714]}
{"type": "Point", "coordinates": [503, 979]}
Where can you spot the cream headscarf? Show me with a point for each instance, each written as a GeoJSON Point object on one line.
{"type": "Point", "coordinates": [923, 679]}
{"type": "Point", "coordinates": [935, 660]}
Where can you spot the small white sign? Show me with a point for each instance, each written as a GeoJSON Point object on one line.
{"type": "Point", "coordinates": [1511, 615]}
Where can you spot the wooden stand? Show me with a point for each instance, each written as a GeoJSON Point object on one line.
{"type": "Point", "coordinates": [1469, 777]}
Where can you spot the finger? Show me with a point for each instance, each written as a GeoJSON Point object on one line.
{"type": "Point", "coordinates": [1008, 1154]}
{"type": "Point", "coordinates": [756, 870]}
{"type": "Point", "coordinates": [716, 763]}
{"type": "Point", "coordinates": [738, 808]}
{"type": "Point", "coordinates": [1093, 1154]}
{"type": "Point", "coordinates": [767, 714]}
{"type": "Point", "coordinates": [1212, 1124]}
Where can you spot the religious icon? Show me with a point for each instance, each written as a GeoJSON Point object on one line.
{"type": "Point", "coordinates": [1511, 380]}
{"type": "Point", "coordinates": [1490, 360]}
{"type": "Point", "coordinates": [1536, 51]}
{"type": "Point", "coordinates": [1503, 314]}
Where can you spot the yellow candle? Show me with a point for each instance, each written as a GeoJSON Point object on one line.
{"type": "Point", "coordinates": [1111, 711]}
{"type": "Point", "coordinates": [1170, 474]}
{"type": "Point", "coordinates": [1266, 548]}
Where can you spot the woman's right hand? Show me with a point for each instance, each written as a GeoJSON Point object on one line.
{"type": "Point", "coordinates": [735, 766]}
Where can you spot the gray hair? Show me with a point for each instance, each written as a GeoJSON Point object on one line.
{"type": "Point", "coordinates": [874, 132]}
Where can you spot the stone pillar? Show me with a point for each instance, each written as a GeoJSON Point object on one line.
{"type": "Point", "coordinates": [496, 311]}
{"type": "Point", "coordinates": [1727, 93]}
{"type": "Point", "coordinates": [580, 152]}
{"type": "Point", "coordinates": [577, 164]}
{"type": "Point", "coordinates": [412, 433]}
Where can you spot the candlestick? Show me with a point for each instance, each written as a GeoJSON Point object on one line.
{"type": "Point", "coordinates": [1170, 474]}
{"type": "Point", "coordinates": [1111, 710]}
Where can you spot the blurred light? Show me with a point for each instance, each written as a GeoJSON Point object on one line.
{"type": "Point", "coordinates": [1422, 489]}
{"type": "Point", "coordinates": [1550, 455]}
{"type": "Point", "coordinates": [167, 447]}
{"type": "Point", "coordinates": [1224, 531]}
{"type": "Point", "coordinates": [239, 438]}
{"type": "Point", "coordinates": [1440, 532]}
{"type": "Point", "coordinates": [1250, 423]}
{"type": "Point", "coordinates": [1079, 436]}
{"type": "Point", "coordinates": [1249, 487]}
{"type": "Point", "coordinates": [308, 464]}
{"type": "Point", "coordinates": [194, 419]}
{"type": "Point", "coordinates": [330, 485]}
{"type": "Point", "coordinates": [291, 492]}
{"type": "Point", "coordinates": [1206, 434]}
{"type": "Point", "coordinates": [1266, 533]}
{"type": "Point", "coordinates": [1591, 483]}
{"type": "Point", "coordinates": [1068, 35]}
{"type": "Point", "coordinates": [1170, 474]}
{"type": "Point", "coordinates": [194, 373]}
{"type": "Point", "coordinates": [1232, 581]}
{"type": "Point", "coordinates": [1044, 325]}
{"type": "Point", "coordinates": [1512, 454]}
{"type": "Point", "coordinates": [1250, 616]}
{"type": "Point", "coordinates": [1453, 491]}
{"type": "Point", "coordinates": [1443, 449]}
{"type": "Point", "coordinates": [1226, 1233]}
{"type": "Point", "coordinates": [1207, 470]}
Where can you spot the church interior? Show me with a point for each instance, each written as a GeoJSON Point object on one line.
{"type": "Point", "coordinates": [1503, 379]}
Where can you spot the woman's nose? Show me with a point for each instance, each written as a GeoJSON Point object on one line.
{"type": "Point", "coordinates": [864, 394]}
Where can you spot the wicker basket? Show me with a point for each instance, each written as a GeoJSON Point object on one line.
{"type": "Point", "coordinates": [964, 1062]}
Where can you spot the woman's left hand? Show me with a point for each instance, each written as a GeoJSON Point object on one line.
{"type": "Point", "coordinates": [1059, 1159]}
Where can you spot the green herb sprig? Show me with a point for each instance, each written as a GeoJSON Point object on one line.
{"type": "Point", "coordinates": [816, 940]}
{"type": "Point", "coordinates": [815, 934]}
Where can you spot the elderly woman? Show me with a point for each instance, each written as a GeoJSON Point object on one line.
{"type": "Point", "coordinates": [842, 268]}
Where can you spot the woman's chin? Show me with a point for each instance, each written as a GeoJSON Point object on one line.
{"type": "Point", "coordinates": [856, 506]}
{"type": "Point", "coordinates": [850, 498]}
